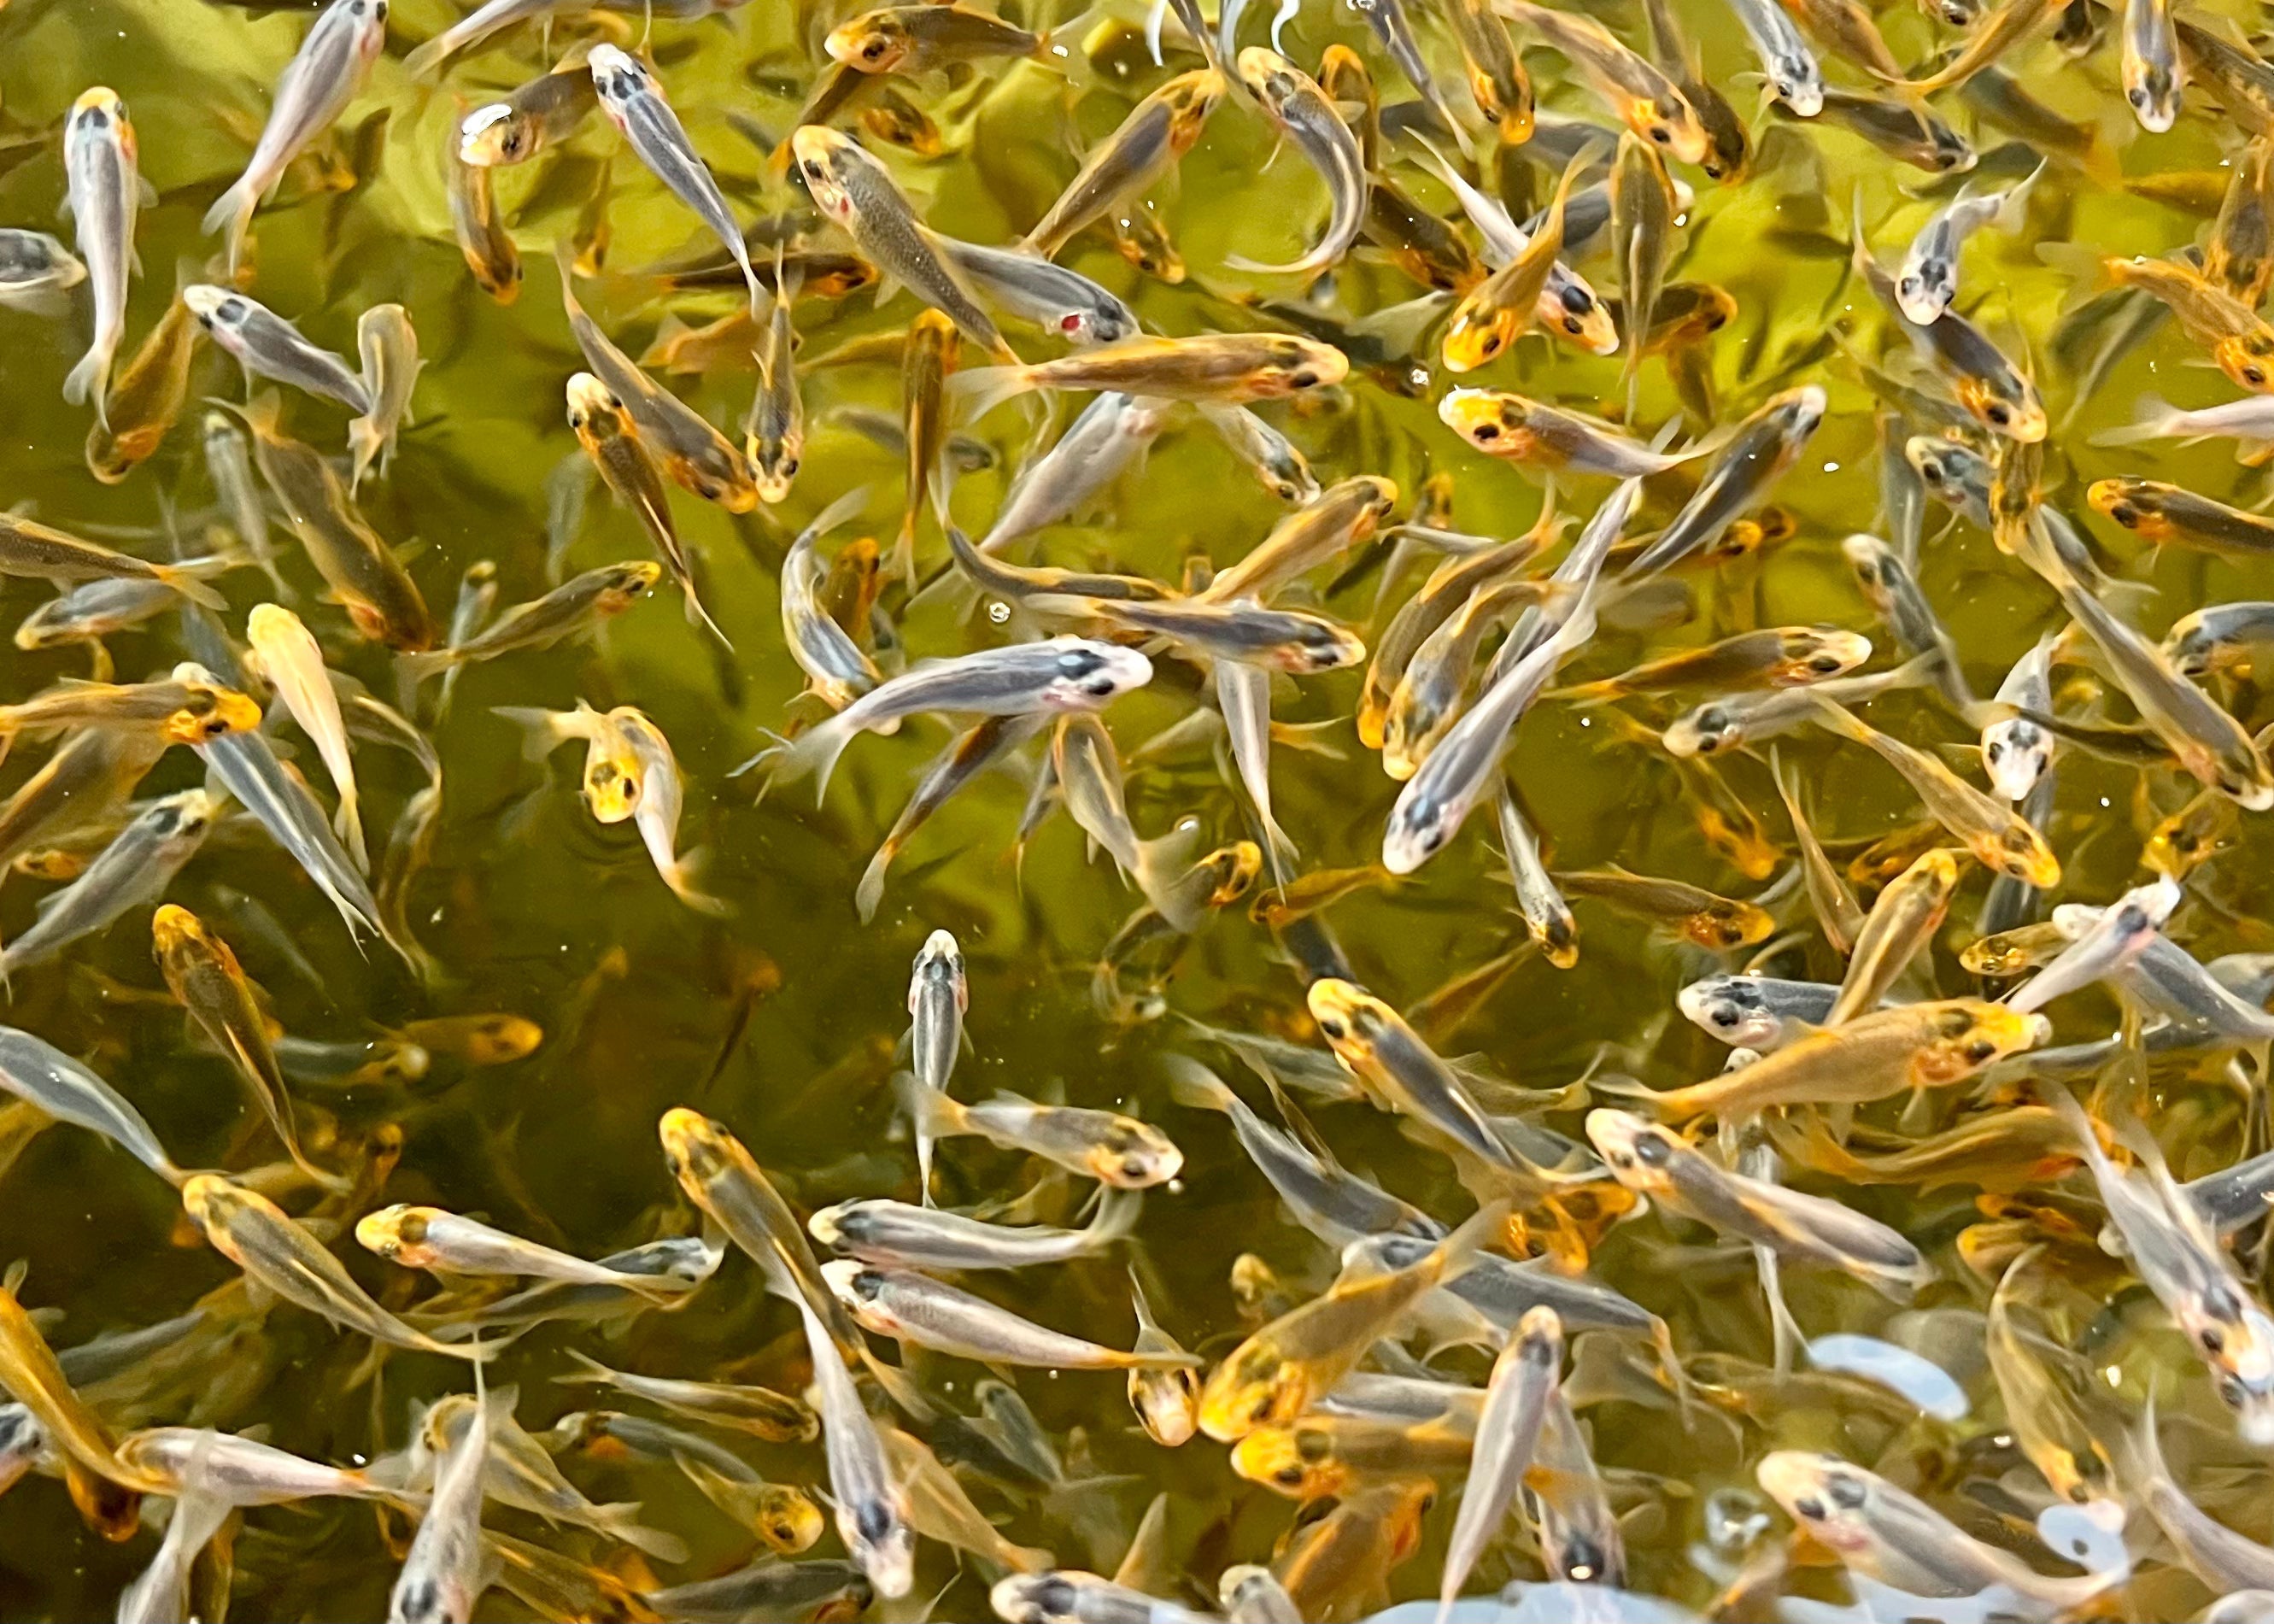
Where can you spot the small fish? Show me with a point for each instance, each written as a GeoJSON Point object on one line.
{"type": "Point", "coordinates": [30, 1374]}
{"type": "Point", "coordinates": [58, 1086]}
{"type": "Point", "coordinates": [1722, 725]}
{"type": "Point", "coordinates": [1501, 309]}
{"type": "Point", "coordinates": [1927, 280]}
{"type": "Point", "coordinates": [1906, 130]}
{"type": "Point", "coordinates": [361, 570]}
{"type": "Point", "coordinates": [632, 99]}
{"type": "Point", "coordinates": [1641, 96]}
{"type": "Point", "coordinates": [872, 1507]}
{"type": "Point", "coordinates": [1166, 1397]}
{"type": "Point", "coordinates": [609, 436]}
{"type": "Point", "coordinates": [179, 709]}
{"type": "Point", "coordinates": [281, 1257]}
{"type": "Point", "coordinates": [1280, 639]}
{"type": "Point", "coordinates": [1517, 1393]}
{"type": "Point", "coordinates": [1763, 448]}
{"type": "Point", "coordinates": [148, 397]}
{"type": "Point", "coordinates": [1997, 35]}
{"type": "Point", "coordinates": [427, 1238]}
{"type": "Point", "coordinates": [1711, 921]}
{"type": "Point", "coordinates": [858, 193]}
{"type": "Point", "coordinates": [478, 224]}
{"type": "Point", "coordinates": [106, 193]}
{"type": "Point", "coordinates": [534, 117]}
{"type": "Point", "coordinates": [92, 611]}
{"type": "Point", "coordinates": [203, 974]}
{"type": "Point", "coordinates": [1062, 303]}
{"type": "Point", "coordinates": [1299, 110]}
{"type": "Point", "coordinates": [776, 1418]}
{"type": "Point", "coordinates": [1275, 1374]}
{"type": "Point", "coordinates": [228, 466]}
{"type": "Point", "coordinates": [2250, 420]}
{"type": "Point", "coordinates": [696, 454]}
{"type": "Point", "coordinates": [1116, 1151]}
{"type": "Point", "coordinates": [2000, 838]}
{"type": "Point", "coordinates": [1059, 675]}
{"type": "Point", "coordinates": [1871, 1057]}
{"type": "Point", "coordinates": [2170, 514]}
{"type": "Point", "coordinates": [1904, 917]}
{"type": "Point", "coordinates": [573, 608]}
{"type": "Point", "coordinates": [1209, 368]}
{"type": "Point", "coordinates": [291, 661]}
{"type": "Point", "coordinates": [245, 1471]}
{"type": "Point", "coordinates": [389, 348]}
{"type": "Point", "coordinates": [2153, 71]}
{"type": "Point", "coordinates": [1276, 459]}
{"type": "Point", "coordinates": [837, 668]}
{"type": "Point", "coordinates": [1776, 657]}
{"type": "Point", "coordinates": [912, 41]}
{"type": "Point", "coordinates": [270, 347]}
{"type": "Point", "coordinates": [1537, 435]}
{"type": "Point", "coordinates": [662, 792]}
{"type": "Point", "coordinates": [1112, 432]}
{"type": "Point", "coordinates": [328, 71]}
{"type": "Point", "coordinates": [2222, 637]}
{"type": "Point", "coordinates": [1158, 132]}
{"type": "Point", "coordinates": [927, 360]}
{"type": "Point", "coordinates": [921, 1310]}
{"type": "Point", "coordinates": [2240, 342]}
{"type": "Point", "coordinates": [1439, 797]}
{"type": "Point", "coordinates": [2123, 931]}
{"type": "Point", "coordinates": [890, 1234]}
{"type": "Point", "coordinates": [446, 1569]}
{"type": "Point", "coordinates": [1399, 1073]}
{"type": "Point", "coordinates": [132, 870]}
{"type": "Point", "coordinates": [1068, 1596]}
{"type": "Point", "coordinates": [1886, 1534]}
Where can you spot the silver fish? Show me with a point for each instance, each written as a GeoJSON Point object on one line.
{"type": "Point", "coordinates": [1063, 303]}
{"type": "Point", "coordinates": [228, 466]}
{"type": "Point", "coordinates": [106, 193]}
{"type": "Point", "coordinates": [267, 346]}
{"type": "Point", "coordinates": [133, 870]}
{"type": "Point", "coordinates": [1764, 446]}
{"type": "Point", "coordinates": [1524, 1376]}
{"type": "Point", "coordinates": [872, 1510]}
{"type": "Point", "coordinates": [1787, 62]}
{"type": "Point", "coordinates": [2118, 935]}
{"type": "Point", "coordinates": [2017, 752]}
{"type": "Point", "coordinates": [36, 271]}
{"type": "Point", "coordinates": [1927, 280]}
{"type": "Point", "coordinates": [322, 78]}
{"type": "Point", "coordinates": [633, 100]}
{"type": "Point", "coordinates": [917, 1309]}
{"type": "Point", "coordinates": [1895, 596]}
{"type": "Point", "coordinates": [1759, 1012]}
{"type": "Point", "coordinates": [892, 1234]}
{"type": "Point", "coordinates": [53, 1082]}
{"type": "Point", "coordinates": [1060, 674]}
{"type": "Point", "coordinates": [446, 1570]}
{"type": "Point", "coordinates": [389, 347]}
{"type": "Point", "coordinates": [1112, 432]}
{"type": "Point", "coordinates": [1301, 112]}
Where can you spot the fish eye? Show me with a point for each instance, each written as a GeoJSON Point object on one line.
{"type": "Point", "coordinates": [1334, 1029]}
{"type": "Point", "coordinates": [1999, 415]}
{"type": "Point", "coordinates": [1846, 1491]}
{"type": "Point", "coordinates": [1576, 300]}
{"type": "Point", "coordinates": [873, 50]}
{"type": "Point", "coordinates": [1485, 434]}
{"type": "Point", "coordinates": [1826, 664]}
{"type": "Point", "coordinates": [1651, 1150]}
{"type": "Point", "coordinates": [874, 1520]}
{"type": "Point", "coordinates": [2254, 376]}
{"type": "Point", "coordinates": [1663, 136]}
{"type": "Point", "coordinates": [1994, 753]}
{"type": "Point", "coordinates": [1809, 1509]}
{"type": "Point", "coordinates": [1574, 326]}
{"type": "Point", "coordinates": [1303, 379]}
{"type": "Point", "coordinates": [814, 171]}
{"type": "Point", "coordinates": [1288, 1476]}
{"type": "Point", "coordinates": [2211, 1339]}
{"type": "Point", "coordinates": [1980, 1049]}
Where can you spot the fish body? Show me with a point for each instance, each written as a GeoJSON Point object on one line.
{"type": "Point", "coordinates": [632, 99]}
{"type": "Point", "coordinates": [106, 191]}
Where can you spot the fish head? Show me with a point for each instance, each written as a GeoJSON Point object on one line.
{"type": "Point", "coordinates": [394, 1233]}
{"type": "Point", "coordinates": [2016, 753]}
{"type": "Point", "coordinates": [1724, 924]}
{"type": "Point", "coordinates": [1968, 1034]}
{"type": "Point", "coordinates": [2191, 836]}
{"type": "Point", "coordinates": [1924, 290]}
{"type": "Point", "coordinates": [774, 463]}
{"type": "Point", "coordinates": [902, 125]}
{"type": "Point", "coordinates": [1826, 1496]}
{"type": "Point", "coordinates": [1190, 98]}
{"type": "Point", "coordinates": [1574, 310]}
{"type": "Point", "coordinates": [1320, 645]}
{"type": "Point", "coordinates": [174, 927]}
{"type": "Point", "coordinates": [1669, 124]}
{"type": "Point", "coordinates": [716, 472]}
{"type": "Point", "coordinates": [595, 412]}
{"type": "Point", "coordinates": [1271, 78]}
{"type": "Point", "coordinates": [1296, 367]}
{"type": "Point", "coordinates": [1952, 470]}
{"type": "Point", "coordinates": [828, 1225]}
{"type": "Point", "coordinates": [787, 1518]}
{"type": "Point", "coordinates": [1138, 239]}
{"type": "Point", "coordinates": [698, 1150]}
{"type": "Point", "coordinates": [873, 42]}
{"type": "Point", "coordinates": [614, 779]}
{"type": "Point", "coordinates": [222, 311]}
{"type": "Point", "coordinates": [1639, 1151]}
{"type": "Point", "coordinates": [861, 1289]}
{"type": "Point", "coordinates": [1090, 674]}
{"type": "Point", "coordinates": [495, 1039]}
{"type": "Point", "coordinates": [939, 963]}
{"type": "Point", "coordinates": [1297, 1462]}
{"type": "Point", "coordinates": [2244, 358]}
{"type": "Point", "coordinates": [825, 160]}
{"type": "Point", "coordinates": [1037, 1598]}
{"type": "Point", "coordinates": [1810, 654]}
{"type": "Point", "coordinates": [1730, 1008]}
{"type": "Point", "coordinates": [1483, 326]}
{"type": "Point", "coordinates": [498, 134]}
{"type": "Point", "coordinates": [1167, 1402]}
{"type": "Point", "coordinates": [212, 711]}
{"type": "Point", "coordinates": [1797, 81]}
{"type": "Point", "coordinates": [2194, 650]}
{"type": "Point", "coordinates": [1256, 1386]}
{"type": "Point", "coordinates": [627, 584]}
{"type": "Point", "coordinates": [2133, 503]}
{"type": "Point", "coordinates": [620, 79]}
{"type": "Point", "coordinates": [878, 1534]}
{"type": "Point", "coordinates": [99, 118]}
{"type": "Point", "coordinates": [1130, 1155]}
{"type": "Point", "coordinates": [2152, 88]}
{"type": "Point", "coordinates": [1351, 1019]}
{"type": "Point", "coordinates": [2008, 408]}
{"type": "Point", "coordinates": [1493, 421]}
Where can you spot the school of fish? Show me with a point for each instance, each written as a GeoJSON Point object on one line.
{"type": "Point", "coordinates": [1888, 1240]}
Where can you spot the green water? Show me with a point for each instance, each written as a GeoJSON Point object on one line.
{"type": "Point", "coordinates": [781, 1019]}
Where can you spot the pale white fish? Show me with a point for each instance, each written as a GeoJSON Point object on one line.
{"type": "Point", "coordinates": [939, 994]}
{"type": "Point", "coordinates": [2016, 752]}
{"type": "Point", "coordinates": [632, 97]}
{"type": "Point", "coordinates": [448, 1567]}
{"type": "Point", "coordinates": [35, 272]}
{"type": "Point", "coordinates": [1243, 693]}
{"type": "Point", "coordinates": [52, 1082]}
{"type": "Point", "coordinates": [389, 345]}
{"type": "Point", "coordinates": [427, 1238]}
{"type": "Point", "coordinates": [325, 75]}
{"type": "Point", "coordinates": [267, 346]}
{"type": "Point", "coordinates": [105, 192]}
{"type": "Point", "coordinates": [662, 795]}
{"type": "Point", "coordinates": [893, 1234]}
{"type": "Point", "coordinates": [229, 465]}
{"type": "Point", "coordinates": [2121, 934]}
{"type": "Point", "coordinates": [291, 662]}
{"type": "Point", "coordinates": [917, 1309]}
{"type": "Point", "coordinates": [159, 1594]}
{"type": "Point", "coordinates": [245, 1471]}
{"type": "Point", "coordinates": [872, 1511]}
{"type": "Point", "coordinates": [1516, 1406]}
{"type": "Point", "coordinates": [135, 868]}
{"type": "Point", "coordinates": [1927, 280]}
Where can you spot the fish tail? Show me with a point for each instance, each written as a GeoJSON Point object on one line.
{"type": "Point", "coordinates": [1628, 1090]}
{"type": "Point", "coordinates": [2153, 419]}
{"type": "Point", "coordinates": [1117, 1217]}
{"type": "Point", "coordinates": [347, 822]}
{"type": "Point", "coordinates": [365, 443]}
{"type": "Point", "coordinates": [980, 389]}
{"type": "Point", "coordinates": [698, 615]}
{"type": "Point", "coordinates": [1197, 1085]}
{"type": "Point", "coordinates": [541, 732]}
{"type": "Point", "coordinates": [621, 1519]}
{"type": "Point", "coordinates": [1458, 1252]}
{"type": "Point", "coordinates": [185, 581]}
{"type": "Point", "coordinates": [679, 877]}
{"type": "Point", "coordinates": [232, 213]}
{"type": "Point", "coordinates": [422, 61]}
{"type": "Point", "coordinates": [415, 669]}
{"type": "Point", "coordinates": [90, 380]}
{"type": "Point", "coordinates": [871, 891]}
{"type": "Point", "coordinates": [934, 1111]}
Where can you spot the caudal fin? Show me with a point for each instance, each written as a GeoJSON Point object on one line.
{"type": "Point", "coordinates": [90, 380]}
{"type": "Point", "coordinates": [185, 581]}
